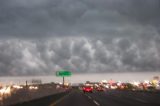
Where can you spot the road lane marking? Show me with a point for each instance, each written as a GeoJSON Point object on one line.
{"type": "Point", "coordinates": [140, 100]}
{"type": "Point", "coordinates": [59, 100]}
{"type": "Point", "coordinates": [96, 103]}
{"type": "Point", "coordinates": [93, 100]}
{"type": "Point", "coordinates": [89, 97]}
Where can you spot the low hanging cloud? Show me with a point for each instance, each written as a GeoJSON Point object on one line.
{"type": "Point", "coordinates": [39, 37]}
{"type": "Point", "coordinates": [44, 57]}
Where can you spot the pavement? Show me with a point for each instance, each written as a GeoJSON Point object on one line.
{"type": "Point", "coordinates": [75, 98]}
{"type": "Point", "coordinates": [126, 98]}
{"type": "Point", "coordinates": [104, 98]}
{"type": "Point", "coordinates": [43, 101]}
{"type": "Point", "coordinates": [111, 98]}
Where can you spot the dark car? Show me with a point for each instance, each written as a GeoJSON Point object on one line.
{"type": "Point", "coordinates": [99, 89]}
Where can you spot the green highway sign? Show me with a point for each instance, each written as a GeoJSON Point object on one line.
{"type": "Point", "coordinates": [63, 73]}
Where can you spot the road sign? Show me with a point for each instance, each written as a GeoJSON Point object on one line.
{"type": "Point", "coordinates": [63, 73]}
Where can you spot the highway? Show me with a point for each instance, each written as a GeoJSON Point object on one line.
{"type": "Point", "coordinates": [103, 98]}
{"type": "Point", "coordinates": [125, 98]}
{"type": "Point", "coordinates": [75, 98]}
{"type": "Point", "coordinates": [110, 98]}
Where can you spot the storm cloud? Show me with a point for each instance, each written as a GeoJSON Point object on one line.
{"type": "Point", "coordinates": [39, 37]}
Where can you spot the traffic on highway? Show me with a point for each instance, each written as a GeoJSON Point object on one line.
{"type": "Point", "coordinates": [102, 93]}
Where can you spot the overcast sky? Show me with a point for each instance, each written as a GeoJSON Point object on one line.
{"type": "Point", "coordinates": [39, 37]}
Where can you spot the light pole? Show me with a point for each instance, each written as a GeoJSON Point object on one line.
{"type": "Point", "coordinates": [63, 81]}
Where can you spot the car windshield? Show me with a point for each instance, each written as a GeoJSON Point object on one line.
{"type": "Point", "coordinates": [79, 52]}
{"type": "Point", "coordinates": [87, 87]}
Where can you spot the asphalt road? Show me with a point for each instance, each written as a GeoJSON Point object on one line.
{"type": "Point", "coordinates": [76, 98]}
{"type": "Point", "coordinates": [106, 98]}
{"type": "Point", "coordinates": [126, 98]}
{"type": "Point", "coordinates": [44, 101]}
{"type": "Point", "coordinates": [111, 98]}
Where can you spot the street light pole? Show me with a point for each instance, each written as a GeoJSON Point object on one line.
{"type": "Point", "coordinates": [63, 81]}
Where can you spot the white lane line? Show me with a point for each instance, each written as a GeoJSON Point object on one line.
{"type": "Point", "coordinates": [140, 100]}
{"type": "Point", "coordinates": [59, 100]}
{"type": "Point", "coordinates": [93, 100]}
{"type": "Point", "coordinates": [96, 103]}
{"type": "Point", "coordinates": [89, 97]}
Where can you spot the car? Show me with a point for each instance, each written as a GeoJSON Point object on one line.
{"type": "Point", "coordinates": [87, 89]}
{"type": "Point", "coordinates": [99, 89]}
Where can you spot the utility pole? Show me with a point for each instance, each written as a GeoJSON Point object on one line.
{"type": "Point", "coordinates": [63, 81]}
{"type": "Point", "coordinates": [26, 83]}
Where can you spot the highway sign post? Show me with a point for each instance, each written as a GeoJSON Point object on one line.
{"type": "Point", "coordinates": [63, 73]}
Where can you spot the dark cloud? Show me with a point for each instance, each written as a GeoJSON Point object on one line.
{"type": "Point", "coordinates": [38, 18]}
{"type": "Point", "coordinates": [39, 37]}
{"type": "Point", "coordinates": [43, 57]}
